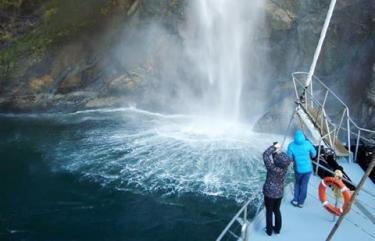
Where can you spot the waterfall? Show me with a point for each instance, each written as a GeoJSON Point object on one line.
{"type": "Point", "coordinates": [219, 41]}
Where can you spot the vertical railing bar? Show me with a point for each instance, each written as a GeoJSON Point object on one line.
{"type": "Point", "coordinates": [348, 134]}
{"type": "Point", "coordinates": [244, 231]}
{"type": "Point", "coordinates": [339, 127]}
{"type": "Point", "coordinates": [357, 145]}
{"type": "Point", "coordinates": [295, 87]}
{"type": "Point", "coordinates": [312, 94]}
{"type": "Point", "coordinates": [328, 130]}
{"type": "Point", "coordinates": [322, 106]}
{"type": "Point", "coordinates": [245, 214]}
{"type": "Point", "coordinates": [318, 156]}
{"type": "Point", "coordinates": [321, 123]}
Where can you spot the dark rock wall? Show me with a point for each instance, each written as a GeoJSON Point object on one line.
{"type": "Point", "coordinates": [346, 59]}
{"type": "Point", "coordinates": [65, 55]}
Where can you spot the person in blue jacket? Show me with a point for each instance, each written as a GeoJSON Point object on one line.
{"type": "Point", "coordinates": [301, 151]}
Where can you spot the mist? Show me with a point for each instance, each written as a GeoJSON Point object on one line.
{"type": "Point", "coordinates": [211, 63]}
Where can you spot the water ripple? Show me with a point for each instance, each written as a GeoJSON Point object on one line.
{"type": "Point", "coordinates": [170, 155]}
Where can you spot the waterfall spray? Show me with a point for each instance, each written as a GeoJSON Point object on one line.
{"type": "Point", "coordinates": [217, 43]}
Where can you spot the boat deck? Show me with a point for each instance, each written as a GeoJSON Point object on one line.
{"type": "Point", "coordinates": [313, 222]}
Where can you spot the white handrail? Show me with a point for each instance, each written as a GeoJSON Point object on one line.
{"type": "Point", "coordinates": [334, 95]}
{"type": "Point", "coordinates": [233, 220]}
{"type": "Point", "coordinates": [360, 133]}
{"type": "Point", "coordinates": [243, 210]}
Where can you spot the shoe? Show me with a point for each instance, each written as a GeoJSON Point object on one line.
{"type": "Point", "coordinates": [269, 233]}
{"type": "Point", "coordinates": [300, 205]}
{"type": "Point", "coordinates": [275, 231]}
{"type": "Point", "coordinates": [294, 203]}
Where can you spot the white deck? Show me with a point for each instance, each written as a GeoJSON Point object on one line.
{"type": "Point", "coordinates": [313, 222]}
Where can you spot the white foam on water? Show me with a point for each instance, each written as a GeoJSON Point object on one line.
{"type": "Point", "coordinates": [166, 155]}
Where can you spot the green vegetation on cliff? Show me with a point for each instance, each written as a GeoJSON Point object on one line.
{"type": "Point", "coordinates": [51, 22]}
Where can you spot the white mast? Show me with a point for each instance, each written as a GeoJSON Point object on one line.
{"type": "Point", "coordinates": [320, 43]}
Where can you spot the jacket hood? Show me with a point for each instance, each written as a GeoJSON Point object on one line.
{"type": "Point", "coordinates": [299, 137]}
{"type": "Point", "coordinates": [281, 160]}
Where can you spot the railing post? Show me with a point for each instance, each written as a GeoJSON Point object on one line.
{"type": "Point", "coordinates": [321, 108]}
{"type": "Point", "coordinates": [357, 145]}
{"type": "Point", "coordinates": [337, 132]}
{"type": "Point", "coordinates": [295, 87]}
{"type": "Point", "coordinates": [245, 214]}
{"type": "Point", "coordinates": [349, 134]}
{"type": "Point", "coordinates": [312, 94]}
{"type": "Point", "coordinates": [328, 130]}
{"type": "Point", "coordinates": [321, 123]}
{"type": "Point", "coordinates": [318, 157]}
{"type": "Point", "coordinates": [244, 235]}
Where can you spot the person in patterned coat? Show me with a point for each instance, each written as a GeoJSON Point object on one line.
{"type": "Point", "coordinates": [276, 163]}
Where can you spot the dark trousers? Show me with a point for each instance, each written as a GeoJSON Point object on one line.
{"type": "Point", "coordinates": [272, 207]}
{"type": "Point", "coordinates": [300, 186]}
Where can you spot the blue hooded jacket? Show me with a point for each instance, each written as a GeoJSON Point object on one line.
{"type": "Point", "coordinates": [301, 151]}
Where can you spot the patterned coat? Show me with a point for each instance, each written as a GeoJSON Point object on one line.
{"type": "Point", "coordinates": [277, 167]}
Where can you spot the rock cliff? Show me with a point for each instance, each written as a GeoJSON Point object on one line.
{"type": "Point", "coordinates": [68, 55]}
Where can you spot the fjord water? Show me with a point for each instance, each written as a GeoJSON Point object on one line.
{"type": "Point", "coordinates": [124, 174]}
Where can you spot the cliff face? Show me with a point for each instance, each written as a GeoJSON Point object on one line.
{"type": "Point", "coordinates": [60, 53]}
{"type": "Point", "coordinates": [347, 58]}
{"type": "Point", "coordinates": [66, 55]}
{"type": "Point", "coordinates": [65, 58]}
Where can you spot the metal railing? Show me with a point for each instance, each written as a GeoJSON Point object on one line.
{"type": "Point", "coordinates": [331, 116]}
{"type": "Point", "coordinates": [240, 218]}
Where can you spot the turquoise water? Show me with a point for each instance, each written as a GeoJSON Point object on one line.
{"type": "Point", "coordinates": [124, 174]}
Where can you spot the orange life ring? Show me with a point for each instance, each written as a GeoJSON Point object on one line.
{"type": "Point", "coordinates": [323, 197]}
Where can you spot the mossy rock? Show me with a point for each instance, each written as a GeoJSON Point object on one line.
{"type": "Point", "coordinates": [41, 83]}
{"type": "Point", "coordinates": [71, 83]}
